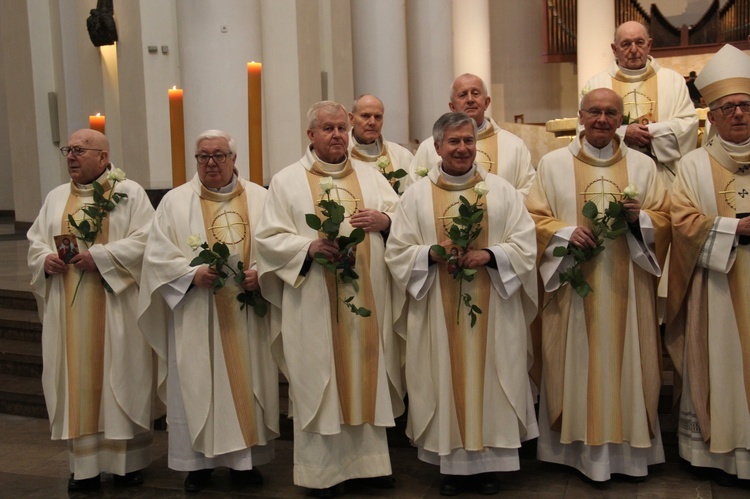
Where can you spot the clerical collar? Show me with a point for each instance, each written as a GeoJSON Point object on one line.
{"type": "Point", "coordinates": [605, 152]}
{"type": "Point", "coordinates": [372, 149]}
{"type": "Point", "coordinates": [460, 179]}
{"type": "Point", "coordinates": [483, 125]}
{"type": "Point", "coordinates": [227, 188]}
{"type": "Point", "coordinates": [636, 72]}
{"type": "Point", "coordinates": [101, 179]}
{"type": "Point", "coordinates": [330, 167]}
{"type": "Point", "coordinates": [731, 147]}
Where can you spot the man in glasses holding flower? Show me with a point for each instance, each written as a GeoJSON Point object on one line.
{"type": "Point", "coordinates": [462, 252]}
{"type": "Point", "coordinates": [199, 267]}
{"type": "Point", "coordinates": [602, 217]}
{"type": "Point", "coordinates": [322, 239]}
{"type": "Point", "coordinates": [97, 365]}
{"type": "Point", "coordinates": [708, 318]}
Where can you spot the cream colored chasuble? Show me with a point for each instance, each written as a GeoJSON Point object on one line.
{"type": "Point", "coordinates": [226, 220]}
{"type": "Point", "coordinates": [468, 345]}
{"type": "Point", "coordinates": [356, 342]}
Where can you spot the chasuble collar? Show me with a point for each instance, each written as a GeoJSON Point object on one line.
{"type": "Point", "coordinates": [733, 157]}
{"type": "Point", "coordinates": [458, 183]}
{"type": "Point", "coordinates": [367, 151]}
{"type": "Point", "coordinates": [607, 156]}
{"type": "Point", "coordinates": [86, 189]}
{"type": "Point", "coordinates": [324, 169]}
{"type": "Point", "coordinates": [634, 75]}
{"type": "Point", "coordinates": [233, 189]}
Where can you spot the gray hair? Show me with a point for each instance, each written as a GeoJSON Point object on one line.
{"type": "Point", "coordinates": [484, 85]}
{"type": "Point", "coordinates": [328, 107]}
{"type": "Point", "coordinates": [217, 134]}
{"type": "Point", "coordinates": [451, 120]}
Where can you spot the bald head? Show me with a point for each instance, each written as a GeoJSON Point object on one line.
{"type": "Point", "coordinates": [632, 45]}
{"type": "Point", "coordinates": [366, 118]}
{"type": "Point", "coordinates": [91, 158]}
{"type": "Point", "coordinates": [600, 115]}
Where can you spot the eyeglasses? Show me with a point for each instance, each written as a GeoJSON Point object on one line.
{"type": "Point", "coordinates": [610, 114]}
{"type": "Point", "coordinates": [729, 109]}
{"type": "Point", "coordinates": [219, 158]}
{"type": "Point", "coordinates": [77, 151]}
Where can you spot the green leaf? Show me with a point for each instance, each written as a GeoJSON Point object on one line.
{"type": "Point", "coordinates": [583, 289]}
{"type": "Point", "coordinates": [590, 210]}
{"type": "Point", "coordinates": [313, 221]}
{"type": "Point", "coordinates": [98, 189]}
{"type": "Point", "coordinates": [615, 209]}
{"type": "Point", "coordinates": [261, 309]}
{"type": "Point", "coordinates": [400, 173]}
{"type": "Point", "coordinates": [439, 251]}
{"type": "Point", "coordinates": [363, 312]}
{"type": "Point", "coordinates": [221, 249]}
{"type": "Point", "coordinates": [560, 251]}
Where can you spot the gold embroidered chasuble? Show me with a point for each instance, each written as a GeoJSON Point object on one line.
{"type": "Point", "coordinates": [84, 340]}
{"type": "Point", "coordinates": [688, 333]}
{"type": "Point", "coordinates": [356, 343]}
{"type": "Point", "coordinates": [487, 148]}
{"type": "Point", "coordinates": [607, 314]}
{"type": "Point", "coordinates": [467, 344]}
{"type": "Point", "coordinates": [226, 220]}
{"type": "Point", "coordinates": [640, 95]}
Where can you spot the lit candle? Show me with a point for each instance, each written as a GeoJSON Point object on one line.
{"type": "Point", "coordinates": [97, 122]}
{"type": "Point", "coordinates": [177, 129]}
{"type": "Point", "coordinates": [255, 121]}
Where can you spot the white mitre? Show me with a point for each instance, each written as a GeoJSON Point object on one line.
{"type": "Point", "coordinates": [726, 73]}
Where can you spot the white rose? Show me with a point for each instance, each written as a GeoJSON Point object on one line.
{"type": "Point", "coordinates": [326, 183]}
{"type": "Point", "coordinates": [630, 192]}
{"type": "Point", "coordinates": [116, 174]}
{"type": "Point", "coordinates": [194, 241]}
{"type": "Point", "coordinates": [383, 162]}
{"type": "Point", "coordinates": [481, 189]}
{"type": "Point", "coordinates": [422, 171]}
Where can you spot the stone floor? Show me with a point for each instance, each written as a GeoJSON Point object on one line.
{"type": "Point", "coordinates": [32, 465]}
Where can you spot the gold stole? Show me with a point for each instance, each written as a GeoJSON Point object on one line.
{"type": "Point", "coordinates": [638, 89]}
{"type": "Point", "coordinates": [356, 342]}
{"type": "Point", "coordinates": [467, 345]}
{"type": "Point", "coordinates": [85, 322]}
{"type": "Point", "coordinates": [739, 287]}
{"type": "Point", "coordinates": [222, 215]}
{"type": "Point", "coordinates": [605, 308]}
{"type": "Point", "coordinates": [487, 148]}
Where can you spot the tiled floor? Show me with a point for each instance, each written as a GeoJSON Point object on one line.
{"type": "Point", "coordinates": [31, 465]}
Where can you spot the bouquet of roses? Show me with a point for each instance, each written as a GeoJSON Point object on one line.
{"type": "Point", "coordinates": [465, 228]}
{"type": "Point", "coordinates": [343, 265]}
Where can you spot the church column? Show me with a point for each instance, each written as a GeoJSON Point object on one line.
{"type": "Point", "coordinates": [471, 40]}
{"type": "Point", "coordinates": [379, 43]}
{"type": "Point", "coordinates": [595, 33]}
{"type": "Point", "coordinates": [430, 63]}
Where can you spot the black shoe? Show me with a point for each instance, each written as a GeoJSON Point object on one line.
{"type": "Point", "coordinates": [197, 480]}
{"type": "Point", "coordinates": [487, 484]}
{"type": "Point", "coordinates": [85, 484]}
{"type": "Point", "coordinates": [132, 479]}
{"type": "Point", "coordinates": [723, 478]}
{"type": "Point", "coordinates": [241, 478]}
{"type": "Point", "coordinates": [451, 485]}
{"type": "Point", "coordinates": [324, 493]}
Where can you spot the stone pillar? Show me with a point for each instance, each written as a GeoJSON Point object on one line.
{"type": "Point", "coordinates": [596, 31]}
{"type": "Point", "coordinates": [471, 40]}
{"type": "Point", "coordinates": [380, 68]}
{"type": "Point", "coordinates": [430, 63]}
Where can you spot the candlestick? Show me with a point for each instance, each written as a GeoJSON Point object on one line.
{"type": "Point", "coordinates": [177, 132]}
{"type": "Point", "coordinates": [255, 121]}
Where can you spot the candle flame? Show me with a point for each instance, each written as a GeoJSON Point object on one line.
{"type": "Point", "coordinates": [174, 87]}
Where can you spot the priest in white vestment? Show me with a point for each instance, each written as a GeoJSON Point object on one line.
{"type": "Point", "coordinates": [661, 118]}
{"type": "Point", "coordinates": [343, 368]}
{"type": "Point", "coordinates": [601, 364]}
{"type": "Point", "coordinates": [366, 142]}
{"type": "Point", "coordinates": [470, 401]}
{"type": "Point", "coordinates": [498, 151]}
{"type": "Point", "coordinates": [708, 328]}
{"type": "Point", "coordinates": [97, 375]}
{"type": "Point", "coordinates": [216, 371]}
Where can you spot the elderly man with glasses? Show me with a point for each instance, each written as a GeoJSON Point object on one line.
{"type": "Point", "coordinates": [708, 319]}
{"type": "Point", "coordinates": [601, 360]}
{"type": "Point", "coordinates": [97, 365]}
{"type": "Point", "coordinates": [208, 322]}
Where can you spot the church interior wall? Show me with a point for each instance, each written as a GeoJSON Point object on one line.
{"type": "Point", "coordinates": [6, 173]}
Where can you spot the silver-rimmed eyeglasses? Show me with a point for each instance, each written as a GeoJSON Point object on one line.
{"type": "Point", "coordinates": [77, 151]}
